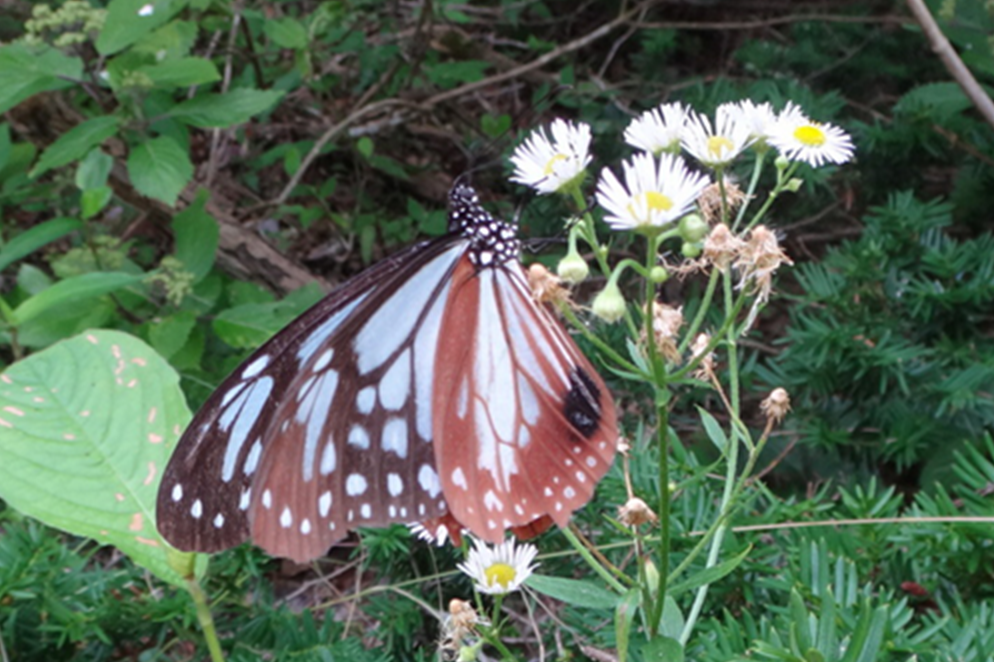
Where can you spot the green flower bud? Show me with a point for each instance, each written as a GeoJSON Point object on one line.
{"type": "Point", "coordinates": [693, 228]}
{"type": "Point", "coordinates": [470, 653]}
{"type": "Point", "coordinates": [659, 275]}
{"type": "Point", "coordinates": [573, 268]}
{"type": "Point", "coordinates": [691, 249]}
{"type": "Point", "coordinates": [782, 162]}
{"type": "Point", "coordinates": [793, 185]}
{"type": "Point", "coordinates": [609, 305]}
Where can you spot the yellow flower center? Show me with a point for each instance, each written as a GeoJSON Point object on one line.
{"type": "Point", "coordinates": [500, 574]}
{"type": "Point", "coordinates": [718, 144]}
{"type": "Point", "coordinates": [810, 135]}
{"type": "Point", "coordinates": [552, 163]}
{"type": "Point", "coordinates": [653, 201]}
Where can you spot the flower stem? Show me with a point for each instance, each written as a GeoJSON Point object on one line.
{"type": "Point", "coordinates": [205, 618]}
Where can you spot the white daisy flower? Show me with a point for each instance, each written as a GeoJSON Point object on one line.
{"type": "Point", "coordinates": [655, 193]}
{"type": "Point", "coordinates": [802, 139]}
{"type": "Point", "coordinates": [760, 118]}
{"type": "Point", "coordinates": [658, 130]}
{"type": "Point", "coordinates": [719, 146]}
{"type": "Point", "coordinates": [547, 164]}
{"type": "Point", "coordinates": [501, 569]}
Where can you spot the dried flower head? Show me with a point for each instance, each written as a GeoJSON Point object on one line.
{"type": "Point", "coordinates": [545, 285]}
{"type": "Point", "coordinates": [721, 246]}
{"type": "Point", "coordinates": [666, 323]}
{"type": "Point", "coordinates": [697, 349]}
{"type": "Point", "coordinates": [636, 512]}
{"type": "Point", "coordinates": [776, 405]}
{"type": "Point", "coordinates": [710, 199]}
{"type": "Point", "coordinates": [758, 260]}
{"type": "Point", "coordinates": [459, 628]}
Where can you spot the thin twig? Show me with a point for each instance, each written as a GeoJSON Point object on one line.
{"type": "Point", "coordinates": [949, 57]}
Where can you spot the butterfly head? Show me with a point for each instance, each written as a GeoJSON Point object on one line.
{"type": "Point", "coordinates": [493, 241]}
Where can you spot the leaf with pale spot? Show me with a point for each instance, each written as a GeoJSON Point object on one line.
{"type": "Point", "coordinates": [86, 429]}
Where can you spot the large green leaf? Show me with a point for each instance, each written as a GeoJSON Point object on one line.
{"type": "Point", "coordinates": [128, 21]}
{"type": "Point", "coordinates": [222, 110]}
{"type": "Point", "coordinates": [249, 325]}
{"type": "Point", "coordinates": [181, 72]}
{"type": "Point", "coordinates": [76, 142]}
{"type": "Point", "coordinates": [86, 429]}
{"type": "Point", "coordinates": [75, 289]}
{"type": "Point", "coordinates": [25, 71]}
{"type": "Point", "coordinates": [160, 168]}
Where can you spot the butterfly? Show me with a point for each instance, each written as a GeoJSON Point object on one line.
{"type": "Point", "coordinates": [430, 388]}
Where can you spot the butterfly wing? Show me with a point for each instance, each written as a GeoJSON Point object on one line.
{"type": "Point", "coordinates": [524, 427]}
{"type": "Point", "coordinates": [207, 499]}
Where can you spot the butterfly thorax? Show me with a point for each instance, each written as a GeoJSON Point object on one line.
{"type": "Point", "coordinates": [492, 241]}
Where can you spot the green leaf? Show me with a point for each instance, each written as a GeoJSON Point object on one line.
{"type": "Point", "coordinates": [128, 21]}
{"type": "Point", "coordinates": [450, 74]}
{"type": "Point", "coordinates": [365, 146]}
{"type": "Point", "coordinates": [286, 33]}
{"type": "Point", "coordinates": [75, 289]}
{"type": "Point", "coordinates": [170, 334]}
{"type": "Point", "coordinates": [25, 71]}
{"type": "Point", "coordinates": [709, 575]}
{"type": "Point", "coordinates": [31, 240]}
{"type": "Point", "coordinates": [181, 72]}
{"type": "Point", "coordinates": [76, 142]}
{"type": "Point", "coordinates": [5, 144]}
{"type": "Point", "coordinates": [495, 126]}
{"type": "Point", "coordinates": [672, 622]}
{"type": "Point", "coordinates": [197, 235]}
{"type": "Point", "coordinates": [576, 592]}
{"type": "Point", "coordinates": [222, 110]}
{"type": "Point", "coordinates": [160, 168]}
{"type": "Point", "coordinates": [624, 616]}
{"type": "Point", "coordinates": [93, 170]}
{"type": "Point", "coordinates": [662, 649]}
{"type": "Point", "coordinates": [88, 426]}
{"type": "Point", "coordinates": [249, 325]}
{"type": "Point", "coordinates": [94, 200]}
{"type": "Point", "coordinates": [715, 432]}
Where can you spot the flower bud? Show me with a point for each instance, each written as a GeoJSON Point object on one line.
{"type": "Point", "coordinates": [659, 275]}
{"type": "Point", "coordinates": [573, 268]}
{"type": "Point", "coordinates": [609, 305]}
{"type": "Point", "coordinates": [693, 228]}
{"type": "Point", "coordinates": [793, 185]}
{"type": "Point", "coordinates": [691, 250]}
{"type": "Point", "coordinates": [782, 162]}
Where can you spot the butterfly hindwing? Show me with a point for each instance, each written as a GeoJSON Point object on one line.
{"type": "Point", "coordinates": [525, 426]}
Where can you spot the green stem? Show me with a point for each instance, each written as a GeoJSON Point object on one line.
{"type": "Point", "coordinates": [592, 562]}
{"type": "Point", "coordinates": [205, 619]}
{"type": "Point", "coordinates": [702, 312]}
{"type": "Point", "coordinates": [753, 182]}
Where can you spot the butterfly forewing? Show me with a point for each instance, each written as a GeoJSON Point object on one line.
{"type": "Point", "coordinates": [524, 426]}
{"type": "Point", "coordinates": [354, 428]}
{"type": "Point", "coordinates": [207, 490]}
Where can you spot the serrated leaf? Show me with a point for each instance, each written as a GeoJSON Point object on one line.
{"type": "Point", "coordinates": [576, 592]}
{"type": "Point", "coordinates": [31, 240]}
{"type": "Point", "coordinates": [170, 334]}
{"type": "Point", "coordinates": [160, 168]}
{"type": "Point", "coordinates": [181, 72]}
{"type": "Point", "coordinates": [127, 21]}
{"type": "Point", "coordinates": [75, 289]}
{"type": "Point", "coordinates": [197, 235]}
{"type": "Point", "coordinates": [286, 33]}
{"type": "Point", "coordinates": [222, 110]}
{"type": "Point", "coordinates": [76, 142]}
{"type": "Point", "coordinates": [88, 426]}
{"type": "Point", "coordinates": [714, 430]}
{"type": "Point", "coordinates": [25, 71]}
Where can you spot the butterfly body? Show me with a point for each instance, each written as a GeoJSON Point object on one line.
{"type": "Point", "coordinates": [431, 385]}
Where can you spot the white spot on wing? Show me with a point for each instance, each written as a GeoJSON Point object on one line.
{"type": "Point", "coordinates": [395, 485]}
{"type": "Point", "coordinates": [459, 478]}
{"type": "Point", "coordinates": [428, 480]}
{"type": "Point", "coordinates": [241, 416]}
{"type": "Point", "coordinates": [358, 437]}
{"type": "Point", "coordinates": [257, 366]}
{"type": "Point", "coordinates": [355, 484]}
{"type": "Point", "coordinates": [324, 504]}
{"type": "Point", "coordinates": [321, 334]}
{"type": "Point", "coordinates": [394, 437]}
{"type": "Point", "coordinates": [286, 518]}
{"type": "Point", "coordinates": [314, 412]}
{"type": "Point", "coordinates": [396, 383]}
{"type": "Point", "coordinates": [197, 509]}
{"type": "Point", "coordinates": [365, 400]}
{"type": "Point", "coordinates": [219, 520]}
{"type": "Point", "coordinates": [329, 458]}
{"type": "Point", "coordinates": [177, 493]}
{"type": "Point", "coordinates": [323, 361]}
{"type": "Point", "coordinates": [252, 461]}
